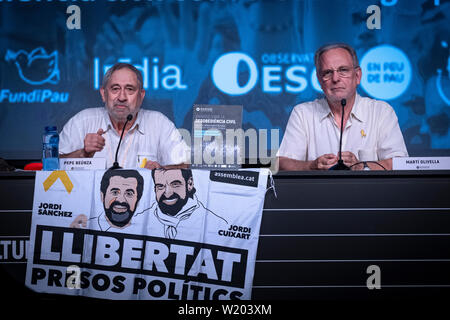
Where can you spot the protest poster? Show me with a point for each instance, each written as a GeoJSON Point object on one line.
{"type": "Point", "coordinates": [138, 234]}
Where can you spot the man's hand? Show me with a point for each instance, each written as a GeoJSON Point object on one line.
{"type": "Point", "coordinates": [324, 162]}
{"type": "Point", "coordinates": [349, 158]}
{"type": "Point", "coordinates": [79, 222]}
{"type": "Point", "coordinates": [94, 142]}
{"type": "Point", "coordinates": [152, 165]}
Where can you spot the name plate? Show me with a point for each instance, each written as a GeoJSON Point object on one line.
{"type": "Point", "coordinates": [82, 164]}
{"type": "Point", "coordinates": [421, 163]}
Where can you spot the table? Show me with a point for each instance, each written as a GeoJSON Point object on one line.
{"type": "Point", "coordinates": [323, 235]}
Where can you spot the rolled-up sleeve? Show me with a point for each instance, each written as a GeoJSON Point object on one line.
{"type": "Point", "coordinates": [173, 149]}
{"type": "Point", "coordinates": [294, 143]}
{"type": "Point", "coordinates": [71, 137]}
{"type": "Point", "coordinates": [390, 140]}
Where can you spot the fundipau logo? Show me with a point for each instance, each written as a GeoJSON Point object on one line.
{"type": "Point", "coordinates": [37, 67]}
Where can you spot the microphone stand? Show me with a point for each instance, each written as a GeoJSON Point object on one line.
{"type": "Point", "coordinates": [116, 164]}
{"type": "Point", "coordinates": [340, 164]}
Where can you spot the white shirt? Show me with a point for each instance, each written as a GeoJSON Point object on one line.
{"type": "Point", "coordinates": [152, 136]}
{"type": "Point", "coordinates": [135, 226]}
{"type": "Point", "coordinates": [194, 222]}
{"type": "Point", "coordinates": [372, 128]}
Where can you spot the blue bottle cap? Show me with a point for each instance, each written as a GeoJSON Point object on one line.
{"type": "Point", "coordinates": [50, 128]}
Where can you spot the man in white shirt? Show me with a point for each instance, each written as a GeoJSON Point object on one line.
{"type": "Point", "coordinates": [371, 130]}
{"type": "Point", "coordinates": [120, 192]}
{"type": "Point", "coordinates": [179, 214]}
{"type": "Point", "coordinates": [149, 137]}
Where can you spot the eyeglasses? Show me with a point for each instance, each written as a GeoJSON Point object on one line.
{"type": "Point", "coordinates": [343, 72]}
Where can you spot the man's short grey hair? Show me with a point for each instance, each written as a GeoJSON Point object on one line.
{"type": "Point", "coordinates": [330, 46]}
{"type": "Point", "coordinates": [121, 65]}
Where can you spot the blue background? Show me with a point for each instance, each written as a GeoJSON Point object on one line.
{"type": "Point", "coordinates": [189, 37]}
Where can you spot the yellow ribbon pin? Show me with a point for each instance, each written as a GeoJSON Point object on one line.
{"type": "Point", "coordinates": [363, 134]}
{"type": "Point", "coordinates": [55, 175]}
{"type": "Point", "coordinates": [144, 161]}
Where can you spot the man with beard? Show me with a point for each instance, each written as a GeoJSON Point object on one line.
{"type": "Point", "coordinates": [120, 192]}
{"type": "Point", "coordinates": [179, 210]}
{"type": "Point", "coordinates": [149, 135]}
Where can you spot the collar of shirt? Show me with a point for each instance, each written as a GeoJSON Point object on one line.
{"type": "Point", "coordinates": [104, 224]}
{"type": "Point", "coordinates": [356, 112]}
{"type": "Point", "coordinates": [185, 213]}
{"type": "Point", "coordinates": [136, 124]}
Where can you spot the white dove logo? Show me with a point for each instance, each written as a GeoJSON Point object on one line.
{"type": "Point", "coordinates": [36, 67]}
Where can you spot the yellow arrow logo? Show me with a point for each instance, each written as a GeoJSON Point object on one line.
{"type": "Point", "coordinates": [55, 175]}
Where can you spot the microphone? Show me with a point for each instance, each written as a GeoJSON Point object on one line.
{"type": "Point", "coordinates": [340, 164]}
{"type": "Point", "coordinates": [116, 164]}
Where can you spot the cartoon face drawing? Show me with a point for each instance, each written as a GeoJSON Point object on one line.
{"type": "Point", "coordinates": [120, 194]}
{"type": "Point", "coordinates": [178, 209]}
{"type": "Point", "coordinates": [173, 188]}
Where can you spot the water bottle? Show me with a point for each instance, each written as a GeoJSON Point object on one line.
{"type": "Point", "coordinates": [50, 154]}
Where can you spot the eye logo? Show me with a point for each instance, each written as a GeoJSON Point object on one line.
{"type": "Point", "coordinates": [36, 67]}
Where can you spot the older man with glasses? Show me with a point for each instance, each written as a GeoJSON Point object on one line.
{"type": "Point", "coordinates": [370, 127]}
{"type": "Point", "coordinates": [150, 135]}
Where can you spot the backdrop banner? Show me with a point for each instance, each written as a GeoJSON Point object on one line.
{"type": "Point", "coordinates": [140, 234]}
{"type": "Point", "coordinates": [258, 54]}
